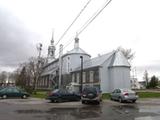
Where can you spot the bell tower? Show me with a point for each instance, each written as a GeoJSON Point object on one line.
{"type": "Point", "coordinates": [51, 49]}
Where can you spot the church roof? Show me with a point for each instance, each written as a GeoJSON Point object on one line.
{"type": "Point", "coordinates": [117, 59]}
{"type": "Point", "coordinates": [77, 51]}
{"type": "Point", "coordinates": [48, 72]}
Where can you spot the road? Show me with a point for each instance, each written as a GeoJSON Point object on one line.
{"type": "Point", "coordinates": [38, 109]}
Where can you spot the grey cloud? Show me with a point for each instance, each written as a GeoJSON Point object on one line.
{"type": "Point", "coordinates": [16, 42]}
{"type": "Point", "coordinates": [150, 67]}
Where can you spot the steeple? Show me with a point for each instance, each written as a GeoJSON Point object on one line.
{"type": "Point", "coordinates": [52, 40]}
{"type": "Point", "coordinates": [51, 48]}
{"type": "Point", "coordinates": [76, 44]}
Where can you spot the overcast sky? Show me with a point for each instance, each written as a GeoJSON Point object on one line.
{"type": "Point", "coordinates": [131, 24]}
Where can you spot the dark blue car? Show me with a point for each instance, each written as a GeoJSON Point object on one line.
{"type": "Point", "coordinates": [59, 95]}
{"type": "Point", "coordinates": [9, 92]}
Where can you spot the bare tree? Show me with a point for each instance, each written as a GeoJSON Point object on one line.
{"type": "Point", "coordinates": [3, 77]}
{"type": "Point", "coordinates": [146, 78]}
{"type": "Point", "coordinates": [21, 81]}
{"type": "Point", "coordinates": [30, 72]}
{"type": "Point", "coordinates": [13, 76]}
{"type": "Point", "coordinates": [127, 53]}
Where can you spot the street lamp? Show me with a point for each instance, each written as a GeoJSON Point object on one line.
{"type": "Point", "coordinates": [81, 82]}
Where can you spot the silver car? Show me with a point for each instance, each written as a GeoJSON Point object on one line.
{"type": "Point", "coordinates": [124, 95]}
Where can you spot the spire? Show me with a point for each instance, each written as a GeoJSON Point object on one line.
{"type": "Point", "coordinates": [52, 39]}
{"type": "Point", "coordinates": [76, 44]}
{"type": "Point", "coordinates": [51, 48]}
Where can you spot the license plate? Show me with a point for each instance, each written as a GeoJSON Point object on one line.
{"type": "Point", "coordinates": [90, 94]}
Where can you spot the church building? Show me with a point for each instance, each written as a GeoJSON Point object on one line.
{"type": "Point", "coordinates": [76, 69]}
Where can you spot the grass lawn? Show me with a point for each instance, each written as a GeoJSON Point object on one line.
{"type": "Point", "coordinates": [39, 94]}
{"type": "Point", "coordinates": [149, 94]}
{"type": "Point", "coordinates": [140, 94]}
{"type": "Point", "coordinates": [43, 94]}
{"type": "Point", "coordinates": [106, 96]}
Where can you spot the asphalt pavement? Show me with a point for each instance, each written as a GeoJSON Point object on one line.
{"type": "Point", "coordinates": [41, 109]}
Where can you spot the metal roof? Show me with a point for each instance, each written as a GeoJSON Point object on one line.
{"type": "Point", "coordinates": [50, 72]}
{"type": "Point", "coordinates": [119, 60]}
{"type": "Point", "coordinates": [77, 50]}
{"type": "Point", "coordinates": [97, 61]}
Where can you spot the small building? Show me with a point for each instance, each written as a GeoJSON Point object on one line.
{"type": "Point", "coordinates": [134, 83]}
{"type": "Point", "coordinates": [106, 72]}
{"type": "Point", "coordinates": [142, 84]}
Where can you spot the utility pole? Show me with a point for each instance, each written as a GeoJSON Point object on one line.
{"type": "Point", "coordinates": [60, 65]}
{"type": "Point", "coordinates": [39, 48]}
{"type": "Point", "coordinates": [81, 82]}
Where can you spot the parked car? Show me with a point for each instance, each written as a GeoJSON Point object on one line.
{"type": "Point", "coordinates": [59, 95]}
{"type": "Point", "coordinates": [91, 94]}
{"type": "Point", "coordinates": [1, 87]}
{"type": "Point", "coordinates": [122, 95]}
{"type": "Point", "coordinates": [13, 92]}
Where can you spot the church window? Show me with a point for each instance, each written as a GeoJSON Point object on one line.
{"type": "Point", "coordinates": [91, 76]}
{"type": "Point", "coordinates": [87, 77]}
{"type": "Point", "coordinates": [84, 77]}
{"type": "Point", "coordinates": [73, 77]}
{"type": "Point", "coordinates": [78, 77]}
{"type": "Point", "coordinates": [96, 76]}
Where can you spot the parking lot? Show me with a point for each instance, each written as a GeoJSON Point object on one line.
{"type": "Point", "coordinates": [41, 109]}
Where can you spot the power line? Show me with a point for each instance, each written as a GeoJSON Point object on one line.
{"type": "Point", "coordinates": [89, 22]}
{"type": "Point", "coordinates": [73, 22]}
{"type": "Point", "coordinates": [67, 43]}
{"type": "Point", "coordinates": [93, 17]}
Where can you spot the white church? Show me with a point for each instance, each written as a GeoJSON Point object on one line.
{"type": "Point", "coordinates": [76, 68]}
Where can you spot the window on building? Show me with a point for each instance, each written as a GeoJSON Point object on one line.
{"type": "Point", "coordinates": [73, 77]}
{"type": "Point", "coordinates": [91, 76]}
{"type": "Point", "coordinates": [96, 76]}
{"type": "Point", "coordinates": [68, 66]}
{"type": "Point", "coordinates": [87, 77]}
{"type": "Point", "coordinates": [78, 77]}
{"type": "Point", "coordinates": [84, 77]}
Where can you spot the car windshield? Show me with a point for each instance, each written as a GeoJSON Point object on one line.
{"type": "Point", "coordinates": [20, 89]}
{"type": "Point", "coordinates": [55, 91]}
{"type": "Point", "coordinates": [90, 89]}
{"type": "Point", "coordinates": [3, 89]}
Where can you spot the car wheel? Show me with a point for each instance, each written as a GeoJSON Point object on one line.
{"type": "Point", "coordinates": [78, 99]}
{"type": "Point", "coordinates": [133, 101]}
{"type": "Point", "coordinates": [59, 100]}
{"type": "Point", "coordinates": [24, 96]}
{"type": "Point", "coordinates": [83, 102]}
{"type": "Point", "coordinates": [120, 100]}
{"type": "Point", "coordinates": [98, 102]}
{"type": "Point", "coordinates": [4, 96]}
{"type": "Point", "coordinates": [111, 98]}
